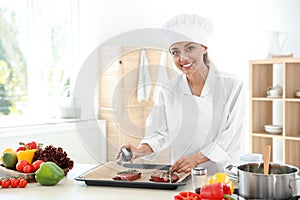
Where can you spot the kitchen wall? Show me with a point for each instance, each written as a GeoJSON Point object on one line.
{"type": "Point", "coordinates": [239, 34]}
{"type": "Point", "coordinates": [240, 26]}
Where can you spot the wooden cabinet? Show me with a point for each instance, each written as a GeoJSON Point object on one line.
{"type": "Point", "coordinates": [283, 110]}
{"type": "Point", "coordinates": [118, 103]}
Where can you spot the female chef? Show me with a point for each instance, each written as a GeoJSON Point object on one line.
{"type": "Point", "coordinates": [200, 113]}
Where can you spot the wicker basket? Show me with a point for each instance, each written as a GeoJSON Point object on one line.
{"type": "Point", "coordinates": [8, 173]}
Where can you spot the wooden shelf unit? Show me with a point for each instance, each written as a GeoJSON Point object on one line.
{"type": "Point", "coordinates": [262, 110]}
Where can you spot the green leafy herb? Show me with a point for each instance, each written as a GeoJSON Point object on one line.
{"type": "Point", "coordinates": [130, 171]}
{"type": "Point", "coordinates": [170, 173]}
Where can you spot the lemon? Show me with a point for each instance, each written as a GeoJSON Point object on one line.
{"type": "Point", "coordinates": [9, 150]}
{"type": "Point", "coordinates": [9, 160]}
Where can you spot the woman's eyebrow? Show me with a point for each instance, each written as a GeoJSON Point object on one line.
{"type": "Point", "coordinates": [173, 48]}
{"type": "Point", "coordinates": [176, 48]}
{"type": "Point", "coordinates": [188, 44]}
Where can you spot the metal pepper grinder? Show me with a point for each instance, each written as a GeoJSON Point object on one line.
{"type": "Point", "coordinates": [199, 177]}
{"type": "Point", "coordinates": [125, 156]}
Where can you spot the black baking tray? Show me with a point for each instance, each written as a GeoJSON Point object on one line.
{"type": "Point", "coordinates": [136, 183]}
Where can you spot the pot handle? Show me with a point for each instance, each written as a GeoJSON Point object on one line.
{"type": "Point", "coordinates": [228, 171]}
{"type": "Point", "coordinates": [293, 180]}
{"type": "Point", "coordinates": [294, 189]}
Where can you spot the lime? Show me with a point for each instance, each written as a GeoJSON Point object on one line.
{"type": "Point", "coordinates": [9, 160]}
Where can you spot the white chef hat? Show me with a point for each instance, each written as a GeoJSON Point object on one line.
{"type": "Point", "coordinates": [187, 27]}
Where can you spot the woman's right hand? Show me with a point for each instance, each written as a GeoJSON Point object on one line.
{"type": "Point", "coordinates": [130, 148]}
{"type": "Point", "coordinates": [142, 150]}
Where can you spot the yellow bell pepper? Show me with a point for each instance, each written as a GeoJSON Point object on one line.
{"type": "Point", "coordinates": [221, 178]}
{"type": "Point", "coordinates": [26, 155]}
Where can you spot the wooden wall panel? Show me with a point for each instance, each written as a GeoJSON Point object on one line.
{"type": "Point", "coordinates": [118, 92]}
{"type": "Point", "coordinates": [113, 140]}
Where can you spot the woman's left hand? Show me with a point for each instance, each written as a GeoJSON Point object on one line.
{"type": "Point", "coordinates": [187, 163]}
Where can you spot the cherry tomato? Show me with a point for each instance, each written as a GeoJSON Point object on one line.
{"type": "Point", "coordinates": [27, 169]}
{"type": "Point", "coordinates": [23, 183]}
{"type": "Point", "coordinates": [0, 182]}
{"type": "Point", "coordinates": [19, 167]}
{"type": "Point", "coordinates": [14, 182]}
{"type": "Point", "coordinates": [36, 164]}
{"type": "Point", "coordinates": [21, 164]}
{"type": "Point", "coordinates": [5, 183]}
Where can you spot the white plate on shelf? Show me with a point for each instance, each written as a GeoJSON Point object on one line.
{"type": "Point", "coordinates": [273, 127]}
{"type": "Point", "coordinates": [274, 96]}
{"type": "Point", "coordinates": [273, 131]}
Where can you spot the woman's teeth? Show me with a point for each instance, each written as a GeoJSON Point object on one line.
{"type": "Point", "coordinates": [187, 65]}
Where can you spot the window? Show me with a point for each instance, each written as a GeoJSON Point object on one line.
{"type": "Point", "coordinates": [37, 56]}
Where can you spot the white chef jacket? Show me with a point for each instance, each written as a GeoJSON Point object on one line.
{"type": "Point", "coordinates": [212, 123]}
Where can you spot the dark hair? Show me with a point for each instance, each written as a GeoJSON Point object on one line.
{"type": "Point", "coordinates": [206, 60]}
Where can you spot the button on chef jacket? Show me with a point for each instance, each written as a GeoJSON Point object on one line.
{"type": "Point", "coordinates": [212, 123]}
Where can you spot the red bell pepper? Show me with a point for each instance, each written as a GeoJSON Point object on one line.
{"type": "Point", "coordinates": [216, 191]}
{"type": "Point", "coordinates": [187, 196]}
{"type": "Point", "coordinates": [21, 148]}
{"type": "Point", "coordinates": [32, 145]}
{"type": "Point", "coordinates": [28, 146]}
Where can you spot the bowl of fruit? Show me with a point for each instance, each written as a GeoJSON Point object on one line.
{"type": "Point", "coordinates": [26, 160]}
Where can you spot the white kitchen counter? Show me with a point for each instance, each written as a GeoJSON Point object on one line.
{"type": "Point", "coordinates": [69, 188]}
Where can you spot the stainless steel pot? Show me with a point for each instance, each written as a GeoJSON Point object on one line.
{"type": "Point", "coordinates": [280, 183]}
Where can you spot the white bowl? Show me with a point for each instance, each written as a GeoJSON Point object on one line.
{"type": "Point", "coordinates": [273, 131]}
{"type": "Point", "coordinates": [274, 127]}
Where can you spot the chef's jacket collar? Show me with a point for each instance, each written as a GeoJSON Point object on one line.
{"type": "Point", "coordinates": [209, 83]}
{"type": "Point", "coordinates": [185, 86]}
{"type": "Point", "coordinates": [211, 77]}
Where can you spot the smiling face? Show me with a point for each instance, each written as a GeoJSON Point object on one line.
{"type": "Point", "coordinates": [188, 56]}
